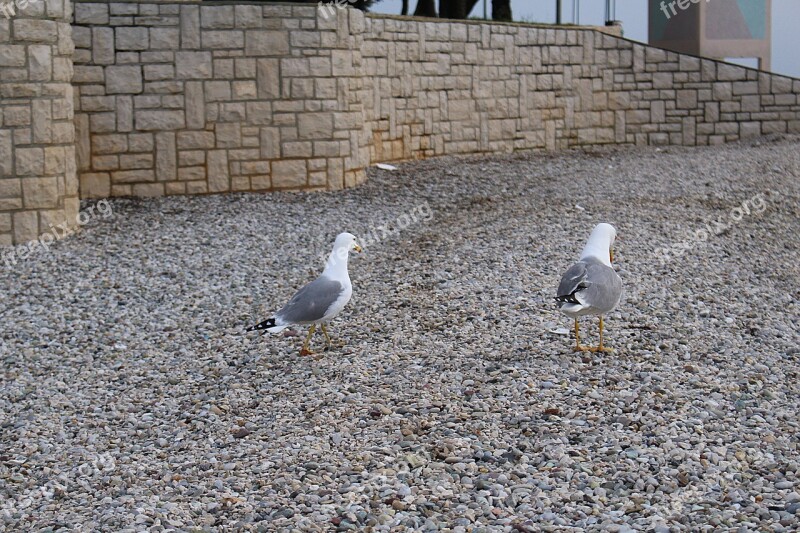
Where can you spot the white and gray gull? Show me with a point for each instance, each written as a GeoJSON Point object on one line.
{"type": "Point", "coordinates": [591, 286]}
{"type": "Point", "coordinates": [320, 301]}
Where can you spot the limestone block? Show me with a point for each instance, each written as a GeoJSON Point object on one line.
{"type": "Point", "coordinates": [196, 187]}
{"type": "Point", "coordinates": [62, 69]}
{"type": "Point", "coordinates": [216, 17]}
{"type": "Point", "coordinates": [17, 115]}
{"type": "Point", "coordinates": [233, 39]}
{"type": "Point", "coordinates": [35, 30]}
{"type": "Point", "coordinates": [55, 8]}
{"type": "Point", "coordinates": [55, 160]}
{"type": "Point", "coordinates": [774, 126]}
{"type": "Point", "coordinates": [166, 167]}
{"type": "Point", "coordinates": [727, 72]}
{"type": "Point", "coordinates": [751, 103]}
{"type": "Point", "coordinates": [268, 79]}
{"type": "Point", "coordinates": [193, 65]}
{"type": "Point", "coordinates": [124, 79]}
{"type": "Point", "coordinates": [260, 182]}
{"type": "Point", "coordinates": [159, 120]}
{"type": "Point", "coordinates": [140, 142]}
{"type": "Point", "coordinates": [123, 9]}
{"type": "Point", "coordinates": [91, 13]}
{"type": "Point", "coordinates": [26, 226]}
{"type": "Point", "coordinates": [38, 193]}
{"type": "Point", "coordinates": [749, 129]}
{"type": "Point", "coordinates": [192, 173]}
{"type": "Point", "coordinates": [229, 135]}
{"type": "Point", "coordinates": [135, 161]}
{"type": "Point", "coordinates": [40, 62]}
{"type": "Point", "coordinates": [95, 185]}
{"type": "Point", "coordinates": [245, 67]}
{"type": "Point", "coordinates": [266, 43]}
{"type": "Point", "coordinates": [102, 45]}
{"type": "Point", "coordinates": [686, 99]}
{"type": "Point", "coordinates": [5, 226]}
{"type": "Point", "coordinates": [302, 89]}
{"type": "Point", "coordinates": [188, 158]}
{"type": "Point", "coordinates": [248, 16]}
{"type": "Point", "coordinates": [30, 161]}
{"type": "Point", "coordinates": [218, 172]}
{"type": "Point", "coordinates": [164, 38]}
{"type": "Point", "coordinates": [12, 55]}
{"type": "Point", "coordinates": [190, 26]}
{"type": "Point", "coordinates": [781, 85]}
{"type": "Point", "coordinates": [289, 173]}
{"type": "Point", "coordinates": [745, 87]}
{"type": "Point", "coordinates": [11, 188]}
{"type": "Point", "coordinates": [102, 123]}
{"type": "Point", "coordinates": [121, 190]}
{"type": "Point", "coordinates": [88, 74]}
{"type": "Point", "coordinates": [270, 143]}
{"type": "Point", "coordinates": [159, 72]}
{"type": "Point", "coordinates": [217, 91]}
{"type": "Point", "coordinates": [174, 187]}
{"type": "Point", "coordinates": [194, 140]}
{"type": "Point", "coordinates": [133, 176]}
{"type": "Point", "coordinates": [312, 126]}
{"type": "Point", "coordinates": [245, 90]}
{"type": "Point", "coordinates": [255, 167]}
{"type": "Point", "coordinates": [638, 116]}
{"type": "Point", "coordinates": [132, 38]}
{"type": "Point", "coordinates": [195, 105]}
{"type": "Point", "coordinates": [105, 162]}
{"type": "Point", "coordinates": [722, 91]}
{"type": "Point", "coordinates": [297, 149]}
{"type": "Point", "coordinates": [146, 190]}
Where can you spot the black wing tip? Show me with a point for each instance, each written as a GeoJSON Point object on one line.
{"type": "Point", "coordinates": [268, 323]}
{"type": "Point", "coordinates": [569, 298]}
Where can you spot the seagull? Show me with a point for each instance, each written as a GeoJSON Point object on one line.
{"type": "Point", "coordinates": [591, 286]}
{"type": "Point", "coordinates": [321, 300]}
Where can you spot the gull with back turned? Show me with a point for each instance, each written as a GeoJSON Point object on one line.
{"type": "Point", "coordinates": [591, 286]}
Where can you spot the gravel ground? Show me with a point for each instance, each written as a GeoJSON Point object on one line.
{"type": "Point", "coordinates": [131, 398]}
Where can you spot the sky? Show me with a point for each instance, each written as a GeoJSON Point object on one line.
{"type": "Point", "coordinates": [633, 14]}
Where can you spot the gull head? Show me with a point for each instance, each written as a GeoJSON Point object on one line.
{"type": "Point", "coordinates": [347, 242]}
{"type": "Point", "coordinates": [600, 243]}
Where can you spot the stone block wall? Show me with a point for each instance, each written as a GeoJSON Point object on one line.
{"type": "Point", "coordinates": [188, 98]}
{"type": "Point", "coordinates": [435, 88]}
{"type": "Point", "coordinates": [38, 182]}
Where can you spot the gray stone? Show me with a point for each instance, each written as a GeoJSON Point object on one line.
{"type": "Point", "coordinates": [132, 38]}
{"type": "Point", "coordinates": [159, 120]}
{"type": "Point", "coordinates": [35, 30]}
{"type": "Point", "coordinates": [103, 51]}
{"type": "Point", "coordinates": [266, 43]}
{"type": "Point", "coordinates": [91, 13]}
{"type": "Point", "coordinates": [193, 65]}
{"type": "Point", "coordinates": [124, 79]}
{"type": "Point", "coordinates": [40, 66]}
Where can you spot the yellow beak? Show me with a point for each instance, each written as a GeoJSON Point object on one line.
{"type": "Point", "coordinates": [611, 255]}
{"type": "Point", "coordinates": [357, 248]}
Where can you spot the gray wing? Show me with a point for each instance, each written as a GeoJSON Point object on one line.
{"type": "Point", "coordinates": [597, 285]}
{"type": "Point", "coordinates": [573, 280]}
{"type": "Point", "coordinates": [310, 303]}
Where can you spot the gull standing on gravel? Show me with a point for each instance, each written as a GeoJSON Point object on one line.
{"type": "Point", "coordinates": [591, 286]}
{"type": "Point", "coordinates": [321, 300]}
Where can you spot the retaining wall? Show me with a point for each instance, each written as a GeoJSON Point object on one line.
{"type": "Point", "coordinates": [38, 183]}
{"type": "Point", "coordinates": [183, 98]}
{"type": "Point", "coordinates": [435, 88]}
